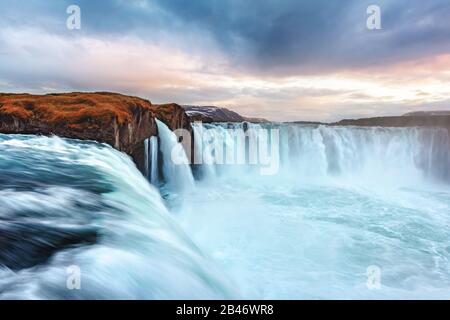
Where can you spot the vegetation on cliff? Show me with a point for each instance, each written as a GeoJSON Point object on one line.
{"type": "Point", "coordinates": [122, 121]}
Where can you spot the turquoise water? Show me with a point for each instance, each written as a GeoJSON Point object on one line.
{"type": "Point", "coordinates": [69, 203]}
{"type": "Point", "coordinates": [317, 241]}
{"type": "Point", "coordinates": [343, 201]}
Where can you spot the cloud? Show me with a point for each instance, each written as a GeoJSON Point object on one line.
{"type": "Point", "coordinates": [283, 60]}
{"type": "Point", "coordinates": [267, 36]}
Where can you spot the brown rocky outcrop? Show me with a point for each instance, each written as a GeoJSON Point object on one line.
{"type": "Point", "coordinates": [173, 115]}
{"type": "Point", "coordinates": [123, 122]}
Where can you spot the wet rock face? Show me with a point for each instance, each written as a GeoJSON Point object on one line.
{"type": "Point", "coordinates": [173, 115]}
{"type": "Point", "coordinates": [121, 121]}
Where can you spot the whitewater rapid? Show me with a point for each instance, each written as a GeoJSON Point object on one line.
{"type": "Point", "coordinates": [322, 153]}
{"type": "Point", "coordinates": [67, 203]}
{"type": "Point", "coordinates": [344, 200]}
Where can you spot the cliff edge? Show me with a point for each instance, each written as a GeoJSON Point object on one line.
{"type": "Point", "coordinates": [121, 121]}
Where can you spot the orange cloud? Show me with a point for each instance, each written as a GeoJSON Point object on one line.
{"type": "Point", "coordinates": [163, 73]}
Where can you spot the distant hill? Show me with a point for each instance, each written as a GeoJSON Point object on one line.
{"type": "Point", "coordinates": [427, 113]}
{"type": "Point", "coordinates": [216, 114]}
{"type": "Point", "coordinates": [402, 121]}
{"type": "Point", "coordinates": [256, 120]}
{"type": "Point", "coordinates": [309, 122]}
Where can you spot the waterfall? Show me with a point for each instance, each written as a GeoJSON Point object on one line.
{"type": "Point", "coordinates": [153, 151]}
{"type": "Point", "coordinates": [146, 157]}
{"type": "Point", "coordinates": [177, 173]}
{"type": "Point", "coordinates": [151, 160]}
{"type": "Point", "coordinates": [66, 202]}
{"type": "Point", "coordinates": [324, 152]}
{"type": "Point", "coordinates": [204, 152]}
{"type": "Point", "coordinates": [342, 199]}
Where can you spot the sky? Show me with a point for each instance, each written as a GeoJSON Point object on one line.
{"type": "Point", "coordinates": [282, 60]}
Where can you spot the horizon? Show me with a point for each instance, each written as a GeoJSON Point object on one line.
{"type": "Point", "coordinates": [302, 62]}
{"type": "Point", "coordinates": [428, 112]}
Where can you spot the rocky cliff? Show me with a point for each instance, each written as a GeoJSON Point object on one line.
{"type": "Point", "coordinates": [173, 115]}
{"type": "Point", "coordinates": [124, 122]}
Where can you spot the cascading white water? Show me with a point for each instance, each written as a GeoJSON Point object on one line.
{"type": "Point", "coordinates": [323, 152]}
{"type": "Point", "coordinates": [202, 154]}
{"type": "Point", "coordinates": [154, 176]}
{"type": "Point", "coordinates": [72, 203]}
{"type": "Point", "coordinates": [151, 160]}
{"type": "Point", "coordinates": [220, 149]}
{"type": "Point", "coordinates": [345, 199]}
{"type": "Point", "coordinates": [146, 157]}
{"type": "Point", "coordinates": [386, 155]}
{"type": "Point", "coordinates": [176, 170]}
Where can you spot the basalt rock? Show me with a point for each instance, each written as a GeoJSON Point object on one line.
{"type": "Point", "coordinates": [173, 115]}
{"type": "Point", "coordinates": [176, 117]}
{"type": "Point", "coordinates": [123, 122]}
